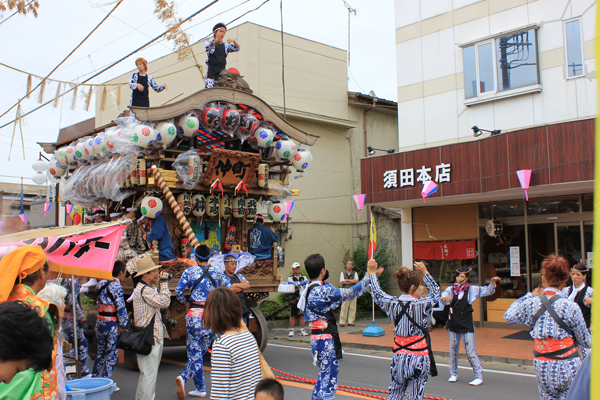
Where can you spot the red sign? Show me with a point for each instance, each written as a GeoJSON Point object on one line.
{"type": "Point", "coordinates": [463, 250]}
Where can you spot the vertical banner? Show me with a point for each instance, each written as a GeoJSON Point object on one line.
{"type": "Point", "coordinates": [515, 261]}
{"type": "Point", "coordinates": [372, 239]}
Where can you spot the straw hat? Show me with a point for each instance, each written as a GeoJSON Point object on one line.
{"type": "Point", "coordinates": [144, 265]}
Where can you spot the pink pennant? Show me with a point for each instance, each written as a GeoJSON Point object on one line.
{"type": "Point", "coordinates": [524, 179]}
{"type": "Point", "coordinates": [69, 208]}
{"type": "Point", "coordinates": [23, 217]}
{"type": "Point", "coordinates": [429, 188]}
{"type": "Point", "coordinates": [1, 223]}
{"type": "Point", "coordinates": [359, 199]}
{"type": "Point", "coordinates": [288, 209]}
{"type": "Point", "coordinates": [47, 207]}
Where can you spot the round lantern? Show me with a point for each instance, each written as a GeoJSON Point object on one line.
{"type": "Point", "coordinates": [198, 205]}
{"type": "Point", "coordinates": [166, 133]}
{"type": "Point", "coordinates": [40, 165]}
{"type": "Point", "coordinates": [80, 152]}
{"type": "Point", "coordinates": [211, 116]}
{"type": "Point", "coordinates": [230, 120]}
{"type": "Point", "coordinates": [111, 138]}
{"type": "Point", "coordinates": [55, 169]}
{"type": "Point", "coordinates": [39, 178]}
{"type": "Point", "coordinates": [285, 149]}
{"type": "Point", "coordinates": [151, 206]}
{"type": "Point", "coordinates": [100, 147]}
{"type": "Point", "coordinates": [61, 157]}
{"type": "Point", "coordinates": [264, 136]}
{"type": "Point", "coordinates": [225, 206]}
{"type": "Point", "coordinates": [212, 206]}
{"type": "Point", "coordinates": [302, 160]}
{"type": "Point", "coordinates": [248, 122]}
{"type": "Point", "coordinates": [251, 208]}
{"type": "Point", "coordinates": [88, 147]}
{"type": "Point", "coordinates": [276, 212]}
{"type": "Point", "coordinates": [188, 125]}
{"type": "Point", "coordinates": [184, 201]}
{"type": "Point", "coordinates": [70, 154]}
{"type": "Point", "coordinates": [239, 207]}
{"type": "Point", "coordinates": [143, 135]}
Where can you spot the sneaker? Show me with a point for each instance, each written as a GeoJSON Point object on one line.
{"type": "Point", "coordinates": [303, 332]}
{"type": "Point", "coordinates": [198, 393]}
{"type": "Point", "coordinates": [350, 324]}
{"type": "Point", "coordinates": [180, 387]}
{"type": "Point", "coordinates": [117, 389]}
{"type": "Point", "coordinates": [452, 379]}
{"type": "Point", "coordinates": [291, 334]}
{"type": "Point", "coordinates": [476, 382]}
{"type": "Point", "coordinates": [342, 325]}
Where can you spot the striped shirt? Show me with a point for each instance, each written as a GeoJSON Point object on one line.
{"type": "Point", "coordinates": [235, 367]}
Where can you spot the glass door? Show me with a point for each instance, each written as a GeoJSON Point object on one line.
{"type": "Point", "coordinates": [568, 239]}
{"type": "Point", "coordinates": [541, 243]}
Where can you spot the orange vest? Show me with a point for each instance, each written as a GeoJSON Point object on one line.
{"type": "Point", "coordinates": [46, 310]}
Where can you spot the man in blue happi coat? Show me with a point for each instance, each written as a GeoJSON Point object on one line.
{"type": "Point", "coordinates": [261, 239]}
{"type": "Point", "coordinates": [111, 313]}
{"type": "Point", "coordinates": [159, 231]}
{"type": "Point", "coordinates": [200, 280]}
{"type": "Point", "coordinates": [318, 300]}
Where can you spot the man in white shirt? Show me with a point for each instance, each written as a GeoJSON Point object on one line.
{"type": "Point", "coordinates": [294, 311]}
{"type": "Point", "coordinates": [348, 278]}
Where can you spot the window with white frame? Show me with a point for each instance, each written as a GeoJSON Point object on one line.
{"type": "Point", "coordinates": [501, 64]}
{"type": "Point", "coordinates": [574, 48]}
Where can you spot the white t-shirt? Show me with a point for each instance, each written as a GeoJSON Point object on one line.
{"type": "Point", "coordinates": [343, 279]}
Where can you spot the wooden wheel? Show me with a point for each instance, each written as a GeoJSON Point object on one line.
{"type": "Point", "coordinates": [258, 327]}
{"type": "Point", "coordinates": [131, 360]}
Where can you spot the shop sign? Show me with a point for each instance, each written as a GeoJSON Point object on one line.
{"type": "Point", "coordinates": [231, 167]}
{"type": "Point", "coordinates": [406, 177]}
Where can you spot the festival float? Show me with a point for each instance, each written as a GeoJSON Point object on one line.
{"type": "Point", "coordinates": [208, 164]}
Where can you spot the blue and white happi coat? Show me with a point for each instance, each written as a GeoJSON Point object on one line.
{"type": "Point", "coordinates": [107, 328]}
{"type": "Point", "coordinates": [410, 372]}
{"type": "Point", "coordinates": [67, 325]}
{"type": "Point", "coordinates": [323, 298]}
{"type": "Point", "coordinates": [198, 339]}
{"type": "Point", "coordinates": [553, 377]}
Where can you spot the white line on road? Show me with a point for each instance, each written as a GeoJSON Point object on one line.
{"type": "Point", "coordinates": [389, 359]}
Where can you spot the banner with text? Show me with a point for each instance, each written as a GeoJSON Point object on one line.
{"type": "Point", "coordinates": [466, 249]}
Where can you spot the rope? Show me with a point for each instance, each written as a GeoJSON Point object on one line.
{"type": "Point", "coordinates": [350, 389]}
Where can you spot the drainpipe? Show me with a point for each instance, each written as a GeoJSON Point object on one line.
{"type": "Point", "coordinates": [365, 124]}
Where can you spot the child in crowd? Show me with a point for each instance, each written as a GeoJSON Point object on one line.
{"type": "Point", "coordinates": [268, 389]}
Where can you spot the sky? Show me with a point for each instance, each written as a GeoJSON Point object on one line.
{"type": "Point", "coordinates": [38, 45]}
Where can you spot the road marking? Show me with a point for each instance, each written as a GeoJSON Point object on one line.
{"type": "Point", "coordinates": [389, 359]}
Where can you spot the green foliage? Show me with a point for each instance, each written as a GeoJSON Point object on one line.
{"type": "Point", "coordinates": [269, 305]}
{"type": "Point", "coordinates": [360, 257]}
{"type": "Point", "coordinates": [86, 300]}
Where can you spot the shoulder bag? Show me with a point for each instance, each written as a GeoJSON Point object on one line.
{"type": "Point", "coordinates": [136, 339]}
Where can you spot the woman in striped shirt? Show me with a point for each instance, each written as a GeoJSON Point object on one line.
{"type": "Point", "coordinates": [412, 358]}
{"type": "Point", "coordinates": [235, 360]}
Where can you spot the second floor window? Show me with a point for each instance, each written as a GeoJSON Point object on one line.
{"type": "Point", "coordinates": [574, 48]}
{"type": "Point", "coordinates": [500, 64]}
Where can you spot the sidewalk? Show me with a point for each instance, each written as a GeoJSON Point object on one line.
{"type": "Point", "coordinates": [492, 346]}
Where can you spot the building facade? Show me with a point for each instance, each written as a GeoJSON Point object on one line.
{"type": "Point", "coordinates": [486, 89]}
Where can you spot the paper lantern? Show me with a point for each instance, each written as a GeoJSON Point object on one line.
{"type": "Point", "coordinates": [61, 157]}
{"type": "Point", "coordinates": [100, 147]}
{"type": "Point", "coordinates": [141, 171]}
{"type": "Point", "coordinates": [211, 116]}
{"type": "Point", "coordinates": [70, 154]}
{"type": "Point", "coordinates": [39, 178]}
{"type": "Point", "coordinates": [167, 132]}
{"type": "Point", "coordinates": [225, 206]}
{"type": "Point", "coordinates": [251, 208]}
{"type": "Point", "coordinates": [194, 168]}
{"type": "Point", "coordinates": [239, 207]}
{"type": "Point", "coordinates": [302, 160]}
{"type": "Point", "coordinates": [285, 149]}
{"type": "Point", "coordinates": [212, 206]}
{"type": "Point", "coordinates": [39, 165]}
{"type": "Point", "coordinates": [88, 147]}
{"type": "Point", "coordinates": [151, 206]}
{"type": "Point", "coordinates": [248, 122]}
{"type": "Point", "coordinates": [264, 136]}
{"type": "Point", "coordinates": [188, 125]}
{"type": "Point", "coordinates": [276, 212]}
{"type": "Point", "coordinates": [230, 120]}
{"type": "Point", "coordinates": [112, 134]}
{"type": "Point", "coordinates": [184, 201]}
{"type": "Point", "coordinates": [80, 152]}
{"type": "Point", "coordinates": [198, 205]}
{"type": "Point", "coordinates": [143, 135]}
{"type": "Point", "coordinates": [55, 169]}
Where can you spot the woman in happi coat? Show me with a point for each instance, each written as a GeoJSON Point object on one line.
{"type": "Point", "coordinates": [580, 293]}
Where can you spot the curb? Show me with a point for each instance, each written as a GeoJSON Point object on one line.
{"type": "Point", "coordinates": [444, 354]}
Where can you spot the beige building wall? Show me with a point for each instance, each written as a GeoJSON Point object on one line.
{"type": "Point", "coordinates": [323, 219]}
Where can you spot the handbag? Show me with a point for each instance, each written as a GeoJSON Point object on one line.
{"type": "Point", "coordinates": [136, 339]}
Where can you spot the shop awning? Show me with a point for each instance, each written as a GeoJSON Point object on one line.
{"type": "Point", "coordinates": [455, 250]}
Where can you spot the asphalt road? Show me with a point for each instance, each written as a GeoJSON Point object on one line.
{"type": "Point", "coordinates": [368, 369]}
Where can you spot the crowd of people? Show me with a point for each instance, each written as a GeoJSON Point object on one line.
{"type": "Point", "coordinates": [35, 315]}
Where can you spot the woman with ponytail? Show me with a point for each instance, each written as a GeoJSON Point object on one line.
{"type": "Point", "coordinates": [557, 328]}
{"type": "Point", "coordinates": [413, 357]}
{"type": "Point", "coordinates": [460, 296]}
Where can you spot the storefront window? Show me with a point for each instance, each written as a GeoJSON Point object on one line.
{"type": "Point", "coordinates": [497, 261]}
{"type": "Point", "coordinates": [501, 209]}
{"type": "Point", "coordinates": [588, 202]}
{"type": "Point", "coordinates": [553, 206]}
{"type": "Point", "coordinates": [443, 271]}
